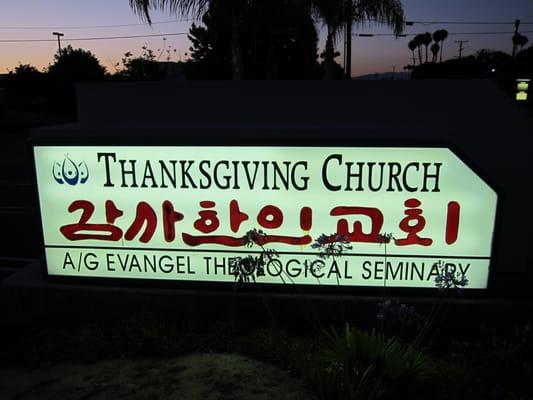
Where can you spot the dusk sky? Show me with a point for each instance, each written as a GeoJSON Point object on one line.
{"type": "Point", "coordinates": [37, 19]}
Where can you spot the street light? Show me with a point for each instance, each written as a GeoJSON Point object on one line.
{"type": "Point", "coordinates": [58, 34]}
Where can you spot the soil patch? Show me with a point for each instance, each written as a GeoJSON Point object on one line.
{"type": "Point", "coordinates": [195, 376]}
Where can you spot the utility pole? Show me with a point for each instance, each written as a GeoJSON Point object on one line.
{"type": "Point", "coordinates": [516, 26]}
{"type": "Point", "coordinates": [461, 48]}
{"type": "Point", "coordinates": [393, 72]}
{"type": "Point", "coordinates": [58, 34]}
{"type": "Point", "coordinates": [348, 42]}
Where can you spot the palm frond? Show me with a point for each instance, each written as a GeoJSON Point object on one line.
{"type": "Point", "coordinates": [182, 8]}
{"type": "Point", "coordinates": [389, 12]}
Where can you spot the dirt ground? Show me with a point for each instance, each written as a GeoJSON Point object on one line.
{"type": "Point", "coordinates": [195, 376]}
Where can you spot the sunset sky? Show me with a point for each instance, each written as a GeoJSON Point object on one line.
{"type": "Point", "coordinates": [37, 19]}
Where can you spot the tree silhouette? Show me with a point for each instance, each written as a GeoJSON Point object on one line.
{"type": "Point", "coordinates": [412, 46]}
{"type": "Point", "coordinates": [435, 50]}
{"type": "Point", "coordinates": [25, 71]}
{"type": "Point", "coordinates": [523, 41]}
{"type": "Point", "coordinates": [25, 84]}
{"type": "Point", "coordinates": [70, 66]}
{"type": "Point", "coordinates": [141, 68]}
{"type": "Point", "coordinates": [519, 40]}
{"type": "Point", "coordinates": [210, 49]}
{"type": "Point", "coordinates": [523, 62]}
{"type": "Point", "coordinates": [332, 13]}
{"type": "Point", "coordinates": [426, 40]}
{"type": "Point", "coordinates": [335, 14]}
{"type": "Point", "coordinates": [281, 40]}
{"type": "Point", "coordinates": [418, 39]}
{"type": "Point", "coordinates": [75, 65]}
{"type": "Point", "coordinates": [284, 47]}
{"type": "Point", "coordinates": [234, 10]}
{"type": "Point", "coordinates": [440, 36]}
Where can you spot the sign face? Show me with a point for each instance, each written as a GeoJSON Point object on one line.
{"type": "Point", "coordinates": [183, 213]}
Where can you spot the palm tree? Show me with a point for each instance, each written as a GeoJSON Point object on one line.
{"type": "Point", "coordinates": [435, 50]}
{"type": "Point", "coordinates": [523, 42]}
{"type": "Point", "coordinates": [440, 36]}
{"type": "Point", "coordinates": [334, 14]}
{"type": "Point", "coordinates": [196, 8]}
{"type": "Point", "coordinates": [412, 46]}
{"type": "Point", "coordinates": [419, 41]}
{"type": "Point", "coordinates": [519, 40]}
{"type": "Point", "coordinates": [426, 40]}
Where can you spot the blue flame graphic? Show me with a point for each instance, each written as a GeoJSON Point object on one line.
{"type": "Point", "coordinates": [70, 172]}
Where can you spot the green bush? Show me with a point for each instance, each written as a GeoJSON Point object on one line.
{"type": "Point", "coordinates": [358, 364]}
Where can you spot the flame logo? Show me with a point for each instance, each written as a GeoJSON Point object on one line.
{"type": "Point", "coordinates": [69, 172]}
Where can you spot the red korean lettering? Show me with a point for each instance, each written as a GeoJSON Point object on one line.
{"type": "Point", "coordinates": [236, 216]}
{"type": "Point", "coordinates": [106, 231]}
{"type": "Point", "coordinates": [208, 221]}
{"type": "Point", "coordinates": [170, 217]}
{"type": "Point", "coordinates": [270, 217]}
{"type": "Point", "coordinates": [452, 222]}
{"type": "Point", "coordinates": [413, 214]}
{"type": "Point", "coordinates": [231, 241]}
{"type": "Point", "coordinates": [144, 216]}
{"type": "Point", "coordinates": [357, 234]}
{"type": "Point", "coordinates": [112, 212]}
{"type": "Point", "coordinates": [224, 240]}
{"type": "Point", "coordinates": [292, 240]}
{"type": "Point", "coordinates": [306, 218]}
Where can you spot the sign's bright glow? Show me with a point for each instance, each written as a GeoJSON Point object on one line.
{"type": "Point", "coordinates": [181, 213]}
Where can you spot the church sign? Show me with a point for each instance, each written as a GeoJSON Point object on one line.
{"type": "Point", "coordinates": [184, 213]}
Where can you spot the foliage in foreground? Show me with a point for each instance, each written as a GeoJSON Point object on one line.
{"type": "Point", "coordinates": [338, 364]}
{"type": "Point", "coordinates": [358, 364]}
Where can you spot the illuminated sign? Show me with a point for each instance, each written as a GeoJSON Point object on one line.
{"type": "Point", "coordinates": [522, 89]}
{"type": "Point", "coordinates": [182, 213]}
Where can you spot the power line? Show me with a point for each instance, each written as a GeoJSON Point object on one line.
{"type": "Point", "coordinates": [408, 22]}
{"type": "Point", "coordinates": [185, 33]}
{"type": "Point", "coordinates": [449, 33]}
{"type": "Point", "coordinates": [95, 26]}
{"type": "Point", "coordinates": [92, 38]}
{"type": "Point", "coordinates": [465, 23]}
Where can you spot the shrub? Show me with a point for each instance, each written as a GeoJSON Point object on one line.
{"type": "Point", "coordinates": [358, 364]}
